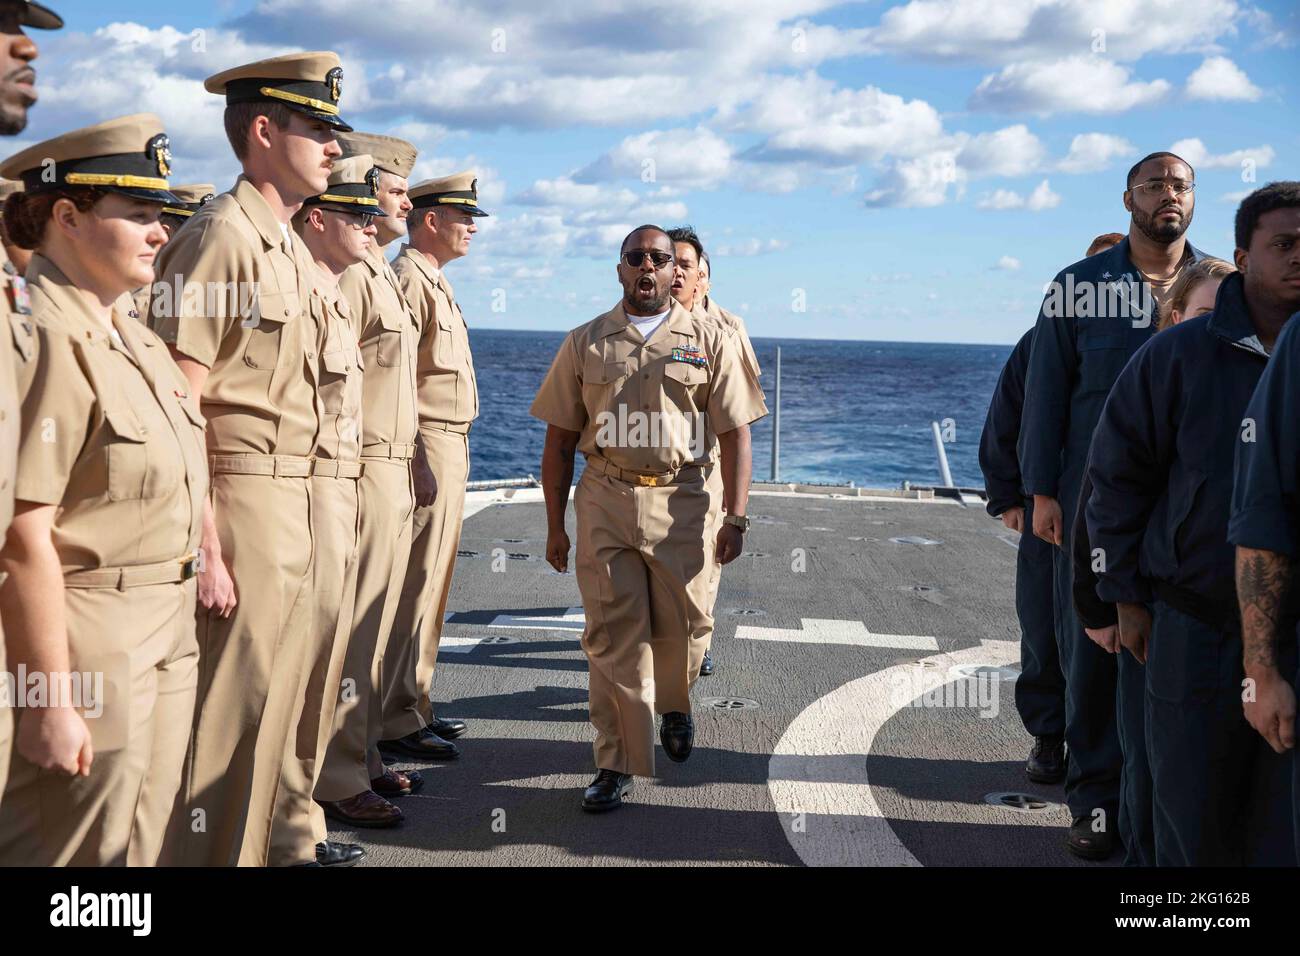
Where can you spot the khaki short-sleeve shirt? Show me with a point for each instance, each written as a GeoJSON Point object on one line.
{"type": "Point", "coordinates": [389, 340]}
{"type": "Point", "coordinates": [110, 434]}
{"type": "Point", "coordinates": [232, 293]}
{"type": "Point", "coordinates": [649, 406]}
{"type": "Point", "coordinates": [17, 350]}
{"type": "Point", "coordinates": [734, 322]}
{"type": "Point", "coordinates": [341, 379]}
{"type": "Point", "coordinates": [447, 388]}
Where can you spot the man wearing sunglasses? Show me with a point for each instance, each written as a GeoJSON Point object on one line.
{"type": "Point", "coordinates": [1095, 315]}
{"type": "Point", "coordinates": [338, 228]}
{"type": "Point", "coordinates": [644, 392]}
{"type": "Point", "coordinates": [440, 228]}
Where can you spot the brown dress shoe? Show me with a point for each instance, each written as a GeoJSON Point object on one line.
{"type": "Point", "coordinates": [366, 809]}
{"type": "Point", "coordinates": [397, 783]}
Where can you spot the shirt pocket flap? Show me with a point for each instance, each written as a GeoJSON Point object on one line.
{"type": "Point", "coordinates": [596, 371]}
{"type": "Point", "coordinates": [125, 426]}
{"type": "Point", "coordinates": [274, 306]}
{"type": "Point", "coordinates": [686, 373]}
{"type": "Point", "coordinates": [338, 362]}
{"type": "Point", "coordinates": [394, 321]}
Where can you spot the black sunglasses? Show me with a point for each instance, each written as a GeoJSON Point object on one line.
{"type": "Point", "coordinates": [638, 256]}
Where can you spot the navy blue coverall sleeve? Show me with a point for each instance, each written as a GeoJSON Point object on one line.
{"type": "Point", "coordinates": [1093, 612]}
{"type": "Point", "coordinates": [1266, 492]}
{"type": "Point", "coordinates": [1052, 366]}
{"type": "Point", "coordinates": [999, 460]}
{"type": "Point", "coordinates": [1129, 469]}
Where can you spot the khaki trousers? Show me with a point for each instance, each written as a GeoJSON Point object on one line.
{"type": "Point", "coordinates": [384, 545]}
{"type": "Point", "coordinates": [417, 627]}
{"type": "Point", "coordinates": [6, 720]}
{"type": "Point", "coordinates": [714, 485]}
{"type": "Point", "coordinates": [644, 578]}
{"type": "Point", "coordinates": [250, 671]}
{"type": "Point", "coordinates": [298, 823]}
{"type": "Point", "coordinates": [140, 643]}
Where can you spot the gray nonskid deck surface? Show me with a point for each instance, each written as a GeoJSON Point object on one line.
{"type": "Point", "coordinates": [860, 776]}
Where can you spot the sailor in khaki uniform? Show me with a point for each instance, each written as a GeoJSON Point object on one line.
{"type": "Point", "coordinates": [233, 298]}
{"type": "Point", "coordinates": [189, 200]}
{"type": "Point", "coordinates": [338, 228]}
{"type": "Point", "coordinates": [354, 783]}
{"type": "Point", "coordinates": [441, 228]}
{"type": "Point", "coordinates": [110, 489]}
{"type": "Point", "coordinates": [643, 391]}
{"type": "Point", "coordinates": [691, 289]}
{"type": "Point", "coordinates": [16, 52]}
{"type": "Point", "coordinates": [17, 346]}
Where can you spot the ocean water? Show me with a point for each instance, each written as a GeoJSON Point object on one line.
{"type": "Point", "coordinates": [850, 411]}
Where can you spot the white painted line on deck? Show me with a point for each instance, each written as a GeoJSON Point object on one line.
{"type": "Point", "coordinates": [822, 631]}
{"type": "Point", "coordinates": [842, 825]}
{"type": "Point", "coordinates": [572, 622]}
{"type": "Point", "coordinates": [573, 619]}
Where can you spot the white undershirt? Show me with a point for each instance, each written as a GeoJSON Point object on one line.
{"type": "Point", "coordinates": [646, 324]}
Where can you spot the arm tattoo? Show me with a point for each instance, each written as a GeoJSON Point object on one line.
{"type": "Point", "coordinates": [1262, 579]}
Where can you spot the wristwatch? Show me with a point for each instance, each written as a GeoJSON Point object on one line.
{"type": "Point", "coordinates": [738, 521]}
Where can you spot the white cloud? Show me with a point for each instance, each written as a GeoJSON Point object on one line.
{"type": "Point", "coordinates": [1236, 197]}
{"type": "Point", "coordinates": [810, 118]}
{"type": "Point", "coordinates": [1007, 264]}
{"type": "Point", "coordinates": [1194, 151]}
{"type": "Point", "coordinates": [1001, 199]}
{"type": "Point", "coordinates": [1093, 152]}
{"type": "Point", "coordinates": [1040, 198]}
{"type": "Point", "coordinates": [596, 215]}
{"type": "Point", "coordinates": [1218, 78]}
{"type": "Point", "coordinates": [996, 31]}
{"type": "Point", "coordinates": [1013, 151]}
{"type": "Point", "coordinates": [696, 158]}
{"type": "Point", "coordinates": [918, 183]}
{"type": "Point", "coordinates": [750, 247]}
{"type": "Point", "coordinates": [1081, 84]}
{"type": "Point", "coordinates": [536, 65]}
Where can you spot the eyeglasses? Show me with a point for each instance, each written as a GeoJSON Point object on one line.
{"type": "Point", "coordinates": [638, 256]}
{"type": "Point", "coordinates": [1157, 187]}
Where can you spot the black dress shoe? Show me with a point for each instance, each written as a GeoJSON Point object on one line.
{"type": "Point", "coordinates": [677, 734]}
{"type": "Point", "coordinates": [448, 728]}
{"type": "Point", "coordinates": [330, 853]}
{"type": "Point", "coordinates": [1087, 845]}
{"type": "Point", "coordinates": [1047, 760]}
{"type": "Point", "coordinates": [706, 665]}
{"type": "Point", "coordinates": [606, 791]}
{"type": "Point", "coordinates": [422, 745]}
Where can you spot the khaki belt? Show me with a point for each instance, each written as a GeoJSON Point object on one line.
{"type": "Point", "coordinates": [277, 466]}
{"type": "Point", "coordinates": [457, 428]}
{"type": "Point", "coordinates": [141, 575]}
{"type": "Point", "coordinates": [333, 468]}
{"type": "Point", "coordinates": [651, 480]}
{"type": "Point", "coordinates": [396, 450]}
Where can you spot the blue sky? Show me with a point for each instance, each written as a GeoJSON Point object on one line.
{"type": "Point", "coordinates": [883, 163]}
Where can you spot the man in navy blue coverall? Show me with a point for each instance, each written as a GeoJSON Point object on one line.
{"type": "Point", "coordinates": [1161, 468]}
{"type": "Point", "coordinates": [1265, 524]}
{"type": "Point", "coordinates": [1095, 315]}
{"type": "Point", "coordinates": [1040, 689]}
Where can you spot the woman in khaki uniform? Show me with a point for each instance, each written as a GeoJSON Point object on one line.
{"type": "Point", "coordinates": [110, 489]}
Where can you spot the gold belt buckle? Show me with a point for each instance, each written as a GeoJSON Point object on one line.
{"type": "Point", "coordinates": [649, 481]}
{"type": "Point", "coordinates": [189, 567]}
